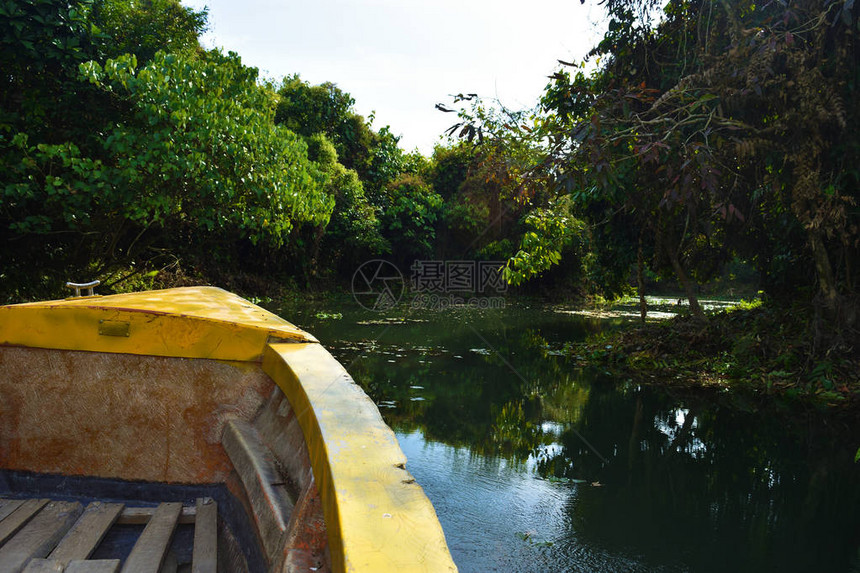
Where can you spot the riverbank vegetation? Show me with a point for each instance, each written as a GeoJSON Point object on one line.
{"type": "Point", "coordinates": [710, 132]}
{"type": "Point", "coordinates": [131, 154]}
{"type": "Point", "coordinates": [696, 138]}
{"type": "Point", "coordinates": [755, 347]}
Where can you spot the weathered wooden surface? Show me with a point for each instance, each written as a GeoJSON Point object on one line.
{"type": "Point", "coordinates": [149, 551]}
{"type": "Point", "coordinates": [87, 532]}
{"type": "Point", "coordinates": [95, 566]}
{"type": "Point", "coordinates": [76, 566]}
{"type": "Point", "coordinates": [205, 555]}
{"type": "Point", "coordinates": [68, 536]}
{"type": "Point", "coordinates": [142, 515]}
{"type": "Point", "coordinates": [44, 566]}
{"type": "Point", "coordinates": [22, 513]}
{"type": "Point", "coordinates": [7, 506]}
{"type": "Point", "coordinates": [39, 535]}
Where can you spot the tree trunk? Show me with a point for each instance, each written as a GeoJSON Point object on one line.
{"type": "Point", "coordinates": [826, 283]}
{"type": "Point", "coordinates": [319, 232]}
{"type": "Point", "coordinates": [695, 309]}
{"type": "Point", "coordinates": [835, 314]}
{"type": "Point", "coordinates": [640, 279]}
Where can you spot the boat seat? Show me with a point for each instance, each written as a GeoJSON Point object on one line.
{"type": "Point", "coordinates": [265, 487]}
{"type": "Point", "coordinates": [41, 535]}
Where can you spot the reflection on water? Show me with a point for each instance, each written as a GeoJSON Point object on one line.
{"type": "Point", "coordinates": [533, 464]}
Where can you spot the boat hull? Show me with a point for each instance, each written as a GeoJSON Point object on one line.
{"type": "Point", "coordinates": [149, 390]}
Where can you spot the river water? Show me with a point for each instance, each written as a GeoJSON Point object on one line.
{"type": "Point", "coordinates": [534, 464]}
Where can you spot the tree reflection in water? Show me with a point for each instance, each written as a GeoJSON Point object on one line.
{"type": "Point", "coordinates": [701, 481]}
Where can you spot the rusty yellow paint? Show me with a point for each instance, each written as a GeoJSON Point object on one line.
{"type": "Point", "coordinates": [378, 519]}
{"type": "Point", "coordinates": [191, 322]}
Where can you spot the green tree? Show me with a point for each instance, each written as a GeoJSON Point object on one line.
{"type": "Point", "coordinates": [41, 44]}
{"type": "Point", "coordinates": [308, 110]}
{"type": "Point", "coordinates": [196, 160]}
{"type": "Point", "coordinates": [353, 233]}
{"type": "Point", "coordinates": [145, 27]}
{"type": "Point", "coordinates": [201, 147]}
{"type": "Point", "coordinates": [409, 215]}
{"type": "Point", "coordinates": [718, 129]}
{"type": "Point", "coordinates": [551, 232]}
{"type": "Point", "coordinates": [371, 166]}
{"type": "Point", "coordinates": [502, 199]}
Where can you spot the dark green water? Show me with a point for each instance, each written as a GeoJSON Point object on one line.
{"type": "Point", "coordinates": [535, 465]}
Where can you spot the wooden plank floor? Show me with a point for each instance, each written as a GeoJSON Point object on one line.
{"type": "Point", "coordinates": [41, 535]}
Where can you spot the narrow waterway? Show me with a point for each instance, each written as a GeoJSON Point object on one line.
{"type": "Point", "coordinates": [536, 465]}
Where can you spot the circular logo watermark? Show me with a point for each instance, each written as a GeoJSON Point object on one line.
{"type": "Point", "coordinates": [377, 285]}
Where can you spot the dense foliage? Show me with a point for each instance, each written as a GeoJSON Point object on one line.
{"type": "Point", "coordinates": [125, 148]}
{"type": "Point", "coordinates": [697, 135]}
{"type": "Point", "coordinates": [700, 134]}
{"type": "Point", "coordinates": [112, 158]}
{"type": "Point", "coordinates": [725, 130]}
{"type": "Point", "coordinates": [699, 138]}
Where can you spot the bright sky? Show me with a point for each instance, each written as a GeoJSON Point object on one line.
{"type": "Point", "coordinates": [401, 57]}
